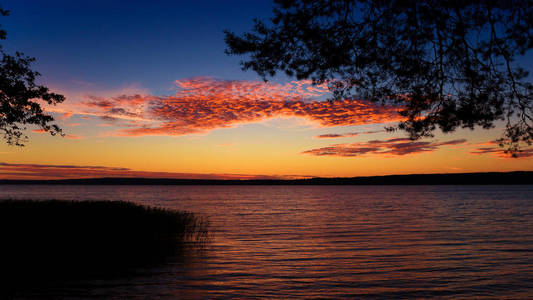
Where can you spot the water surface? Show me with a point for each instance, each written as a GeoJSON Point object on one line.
{"type": "Point", "coordinates": [330, 241]}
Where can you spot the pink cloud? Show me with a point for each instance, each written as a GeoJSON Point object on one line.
{"type": "Point", "coordinates": [42, 171]}
{"type": "Point", "coordinates": [391, 147]}
{"type": "Point", "coordinates": [68, 136]}
{"type": "Point", "coordinates": [65, 116]}
{"type": "Point", "coordinates": [203, 104]}
{"type": "Point", "coordinates": [493, 148]}
{"type": "Point", "coordinates": [74, 137]}
{"type": "Point", "coordinates": [500, 153]}
{"type": "Point", "coordinates": [349, 134]}
{"type": "Point", "coordinates": [99, 102]}
{"type": "Point", "coordinates": [332, 136]}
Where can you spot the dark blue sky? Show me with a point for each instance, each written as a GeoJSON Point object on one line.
{"type": "Point", "coordinates": [150, 44]}
{"type": "Point", "coordinates": [113, 43]}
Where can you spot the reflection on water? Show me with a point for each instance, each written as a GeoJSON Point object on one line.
{"type": "Point", "coordinates": [332, 241]}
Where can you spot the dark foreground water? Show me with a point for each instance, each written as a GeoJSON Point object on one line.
{"type": "Point", "coordinates": [329, 241]}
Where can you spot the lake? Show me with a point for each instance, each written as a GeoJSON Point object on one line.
{"type": "Point", "coordinates": [328, 241]}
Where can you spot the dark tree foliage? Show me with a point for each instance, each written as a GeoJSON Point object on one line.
{"type": "Point", "coordinates": [448, 64]}
{"type": "Point", "coordinates": [19, 95]}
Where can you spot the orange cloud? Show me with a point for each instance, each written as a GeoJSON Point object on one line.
{"type": "Point", "coordinates": [203, 104]}
{"type": "Point", "coordinates": [64, 116]}
{"type": "Point", "coordinates": [349, 134]}
{"type": "Point", "coordinates": [391, 147]}
{"type": "Point", "coordinates": [334, 135]}
{"type": "Point", "coordinates": [38, 171]}
{"type": "Point", "coordinates": [499, 152]}
{"type": "Point", "coordinates": [99, 102]}
{"type": "Point", "coordinates": [68, 136]}
{"type": "Point", "coordinates": [74, 137]}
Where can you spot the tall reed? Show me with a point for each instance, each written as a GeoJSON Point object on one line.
{"type": "Point", "coordinates": [51, 241]}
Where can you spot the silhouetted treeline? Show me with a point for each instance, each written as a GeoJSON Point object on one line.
{"type": "Point", "coordinates": [491, 178]}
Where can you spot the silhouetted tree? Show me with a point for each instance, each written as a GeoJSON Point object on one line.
{"type": "Point", "coordinates": [448, 64]}
{"type": "Point", "coordinates": [19, 95]}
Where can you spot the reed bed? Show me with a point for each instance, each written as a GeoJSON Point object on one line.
{"type": "Point", "coordinates": [52, 241]}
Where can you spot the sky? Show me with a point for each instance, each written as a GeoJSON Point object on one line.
{"type": "Point", "coordinates": [151, 93]}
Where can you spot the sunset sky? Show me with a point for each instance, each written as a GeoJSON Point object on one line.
{"type": "Point", "coordinates": [151, 93]}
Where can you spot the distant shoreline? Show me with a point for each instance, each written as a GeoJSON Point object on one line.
{"type": "Point", "coordinates": [489, 178]}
